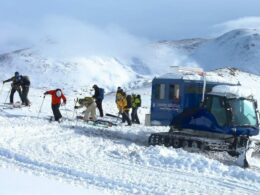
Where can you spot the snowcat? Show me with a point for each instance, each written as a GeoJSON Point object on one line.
{"type": "Point", "coordinates": [205, 113]}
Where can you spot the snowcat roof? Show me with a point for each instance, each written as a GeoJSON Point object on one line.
{"type": "Point", "coordinates": [210, 77]}
{"type": "Point", "coordinates": [229, 95]}
{"type": "Point", "coordinates": [232, 91]}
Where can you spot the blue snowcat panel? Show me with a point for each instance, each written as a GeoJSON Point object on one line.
{"type": "Point", "coordinates": [171, 96]}
{"type": "Point", "coordinates": [203, 120]}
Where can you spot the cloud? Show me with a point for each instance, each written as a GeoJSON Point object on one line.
{"type": "Point", "coordinates": [13, 37]}
{"type": "Point", "coordinates": [76, 38]}
{"type": "Point", "coordinates": [240, 23]}
{"type": "Point", "coordinates": [64, 38]}
{"type": "Point", "coordinates": [70, 37]}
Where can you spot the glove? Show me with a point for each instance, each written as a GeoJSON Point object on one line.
{"type": "Point", "coordinates": [76, 107]}
{"type": "Point", "coordinates": [3, 82]}
{"type": "Point", "coordinates": [45, 93]}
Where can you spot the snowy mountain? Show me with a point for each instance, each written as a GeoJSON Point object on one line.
{"type": "Point", "coordinates": [72, 74]}
{"type": "Point", "coordinates": [117, 160]}
{"type": "Point", "coordinates": [237, 48]}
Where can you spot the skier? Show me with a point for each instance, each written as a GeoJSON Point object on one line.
{"type": "Point", "coordinates": [57, 95]}
{"type": "Point", "coordinates": [90, 105]}
{"type": "Point", "coordinates": [25, 84]}
{"type": "Point", "coordinates": [122, 107]}
{"type": "Point", "coordinates": [136, 103]}
{"type": "Point", "coordinates": [99, 96]}
{"type": "Point", "coordinates": [16, 86]}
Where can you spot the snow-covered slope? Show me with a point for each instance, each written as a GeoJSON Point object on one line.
{"type": "Point", "coordinates": [238, 48]}
{"type": "Point", "coordinates": [116, 160]}
{"type": "Point", "coordinates": [71, 73]}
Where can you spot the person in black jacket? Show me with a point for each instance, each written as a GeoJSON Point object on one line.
{"type": "Point", "coordinates": [16, 86]}
{"type": "Point", "coordinates": [25, 84]}
{"type": "Point", "coordinates": [98, 99]}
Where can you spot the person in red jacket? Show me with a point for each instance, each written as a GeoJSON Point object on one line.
{"type": "Point", "coordinates": [57, 95]}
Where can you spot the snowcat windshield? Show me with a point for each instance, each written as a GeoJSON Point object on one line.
{"type": "Point", "coordinates": [243, 112]}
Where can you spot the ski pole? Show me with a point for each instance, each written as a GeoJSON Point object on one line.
{"type": "Point", "coordinates": [118, 116]}
{"type": "Point", "coordinates": [41, 107]}
{"type": "Point", "coordinates": [75, 111]}
{"type": "Point", "coordinates": [8, 95]}
{"type": "Point", "coordinates": [75, 101]}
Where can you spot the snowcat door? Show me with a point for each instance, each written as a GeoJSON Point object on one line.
{"type": "Point", "coordinates": [217, 106]}
{"type": "Point", "coordinates": [166, 102]}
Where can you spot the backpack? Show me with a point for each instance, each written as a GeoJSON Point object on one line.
{"type": "Point", "coordinates": [101, 93]}
{"type": "Point", "coordinates": [129, 101]}
{"type": "Point", "coordinates": [139, 98]}
{"type": "Point", "coordinates": [26, 80]}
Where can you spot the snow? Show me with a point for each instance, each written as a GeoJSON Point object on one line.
{"type": "Point", "coordinates": [193, 75]}
{"type": "Point", "coordinates": [238, 91]}
{"type": "Point", "coordinates": [114, 160]}
{"type": "Point", "coordinates": [25, 184]}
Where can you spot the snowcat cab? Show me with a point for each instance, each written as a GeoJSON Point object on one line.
{"type": "Point", "coordinates": [173, 93]}
{"type": "Point", "coordinates": [172, 96]}
{"type": "Point", "coordinates": [210, 116]}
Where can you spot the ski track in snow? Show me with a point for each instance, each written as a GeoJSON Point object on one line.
{"type": "Point", "coordinates": [115, 160]}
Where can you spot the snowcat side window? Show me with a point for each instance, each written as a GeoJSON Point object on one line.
{"type": "Point", "coordinates": [174, 92]}
{"type": "Point", "coordinates": [218, 110]}
{"type": "Point", "coordinates": [160, 91]}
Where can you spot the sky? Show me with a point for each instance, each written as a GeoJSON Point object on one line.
{"type": "Point", "coordinates": [152, 19]}
{"type": "Point", "coordinates": [102, 26]}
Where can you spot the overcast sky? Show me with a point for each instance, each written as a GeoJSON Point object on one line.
{"type": "Point", "coordinates": [152, 19]}
{"type": "Point", "coordinates": [104, 24]}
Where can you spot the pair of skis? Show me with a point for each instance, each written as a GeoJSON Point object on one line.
{"type": "Point", "coordinates": [99, 122]}
{"type": "Point", "coordinates": [12, 106]}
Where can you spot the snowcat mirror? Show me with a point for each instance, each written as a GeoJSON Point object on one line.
{"type": "Point", "coordinates": [256, 106]}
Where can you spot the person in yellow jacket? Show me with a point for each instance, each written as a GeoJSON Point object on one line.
{"type": "Point", "coordinates": [90, 105]}
{"type": "Point", "coordinates": [122, 107]}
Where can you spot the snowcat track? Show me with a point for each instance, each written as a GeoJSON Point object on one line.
{"type": "Point", "coordinates": [182, 140]}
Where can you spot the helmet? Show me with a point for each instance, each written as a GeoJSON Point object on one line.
{"type": "Point", "coordinates": [94, 86]}
{"type": "Point", "coordinates": [58, 92]}
{"type": "Point", "coordinates": [16, 74]}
